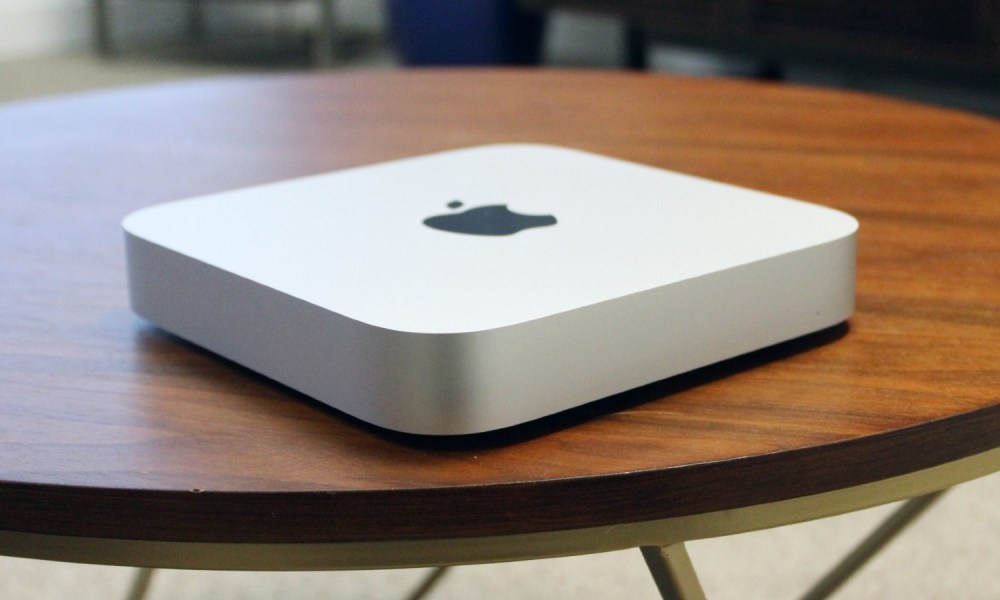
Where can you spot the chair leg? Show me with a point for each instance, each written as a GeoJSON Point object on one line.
{"type": "Point", "coordinates": [102, 27]}
{"type": "Point", "coordinates": [323, 49]}
{"type": "Point", "coordinates": [195, 19]}
{"type": "Point", "coordinates": [636, 48]}
{"type": "Point", "coordinates": [673, 572]}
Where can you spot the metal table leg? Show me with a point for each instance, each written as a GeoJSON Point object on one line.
{"type": "Point", "coordinates": [427, 584]}
{"type": "Point", "coordinates": [868, 547]}
{"type": "Point", "coordinates": [140, 584]}
{"type": "Point", "coordinates": [673, 572]}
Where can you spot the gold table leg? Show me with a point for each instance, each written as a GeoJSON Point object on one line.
{"type": "Point", "coordinates": [428, 583]}
{"type": "Point", "coordinates": [868, 547]}
{"type": "Point", "coordinates": [673, 572]}
{"type": "Point", "coordinates": [140, 584]}
{"type": "Point", "coordinates": [676, 579]}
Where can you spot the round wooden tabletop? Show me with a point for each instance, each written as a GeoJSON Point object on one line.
{"type": "Point", "coordinates": [111, 429]}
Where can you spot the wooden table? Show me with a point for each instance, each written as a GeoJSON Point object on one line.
{"type": "Point", "coordinates": [121, 444]}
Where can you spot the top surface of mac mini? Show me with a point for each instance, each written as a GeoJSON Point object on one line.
{"type": "Point", "coordinates": [477, 289]}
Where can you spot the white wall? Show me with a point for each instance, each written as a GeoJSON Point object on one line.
{"type": "Point", "coordinates": [31, 27]}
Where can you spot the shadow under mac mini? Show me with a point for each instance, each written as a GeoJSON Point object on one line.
{"type": "Point", "coordinates": [167, 351]}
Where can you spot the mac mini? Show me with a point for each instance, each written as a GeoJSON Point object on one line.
{"type": "Point", "coordinates": [477, 289]}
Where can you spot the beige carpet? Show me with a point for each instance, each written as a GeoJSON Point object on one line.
{"type": "Point", "coordinates": [952, 552]}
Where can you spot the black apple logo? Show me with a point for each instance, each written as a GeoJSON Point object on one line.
{"type": "Point", "coordinates": [495, 219]}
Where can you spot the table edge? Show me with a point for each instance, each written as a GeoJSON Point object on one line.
{"type": "Point", "coordinates": [459, 551]}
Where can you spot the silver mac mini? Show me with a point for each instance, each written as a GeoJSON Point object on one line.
{"type": "Point", "coordinates": [477, 289]}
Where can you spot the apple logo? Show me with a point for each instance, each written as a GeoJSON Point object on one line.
{"type": "Point", "coordinates": [495, 219]}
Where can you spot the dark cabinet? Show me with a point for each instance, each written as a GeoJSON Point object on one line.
{"type": "Point", "coordinates": [959, 37]}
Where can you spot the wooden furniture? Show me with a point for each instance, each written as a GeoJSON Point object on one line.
{"type": "Point", "coordinates": [323, 32]}
{"type": "Point", "coordinates": [959, 39]}
{"type": "Point", "coordinates": [121, 444]}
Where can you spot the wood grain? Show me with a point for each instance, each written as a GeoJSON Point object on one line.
{"type": "Point", "coordinates": [112, 428]}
